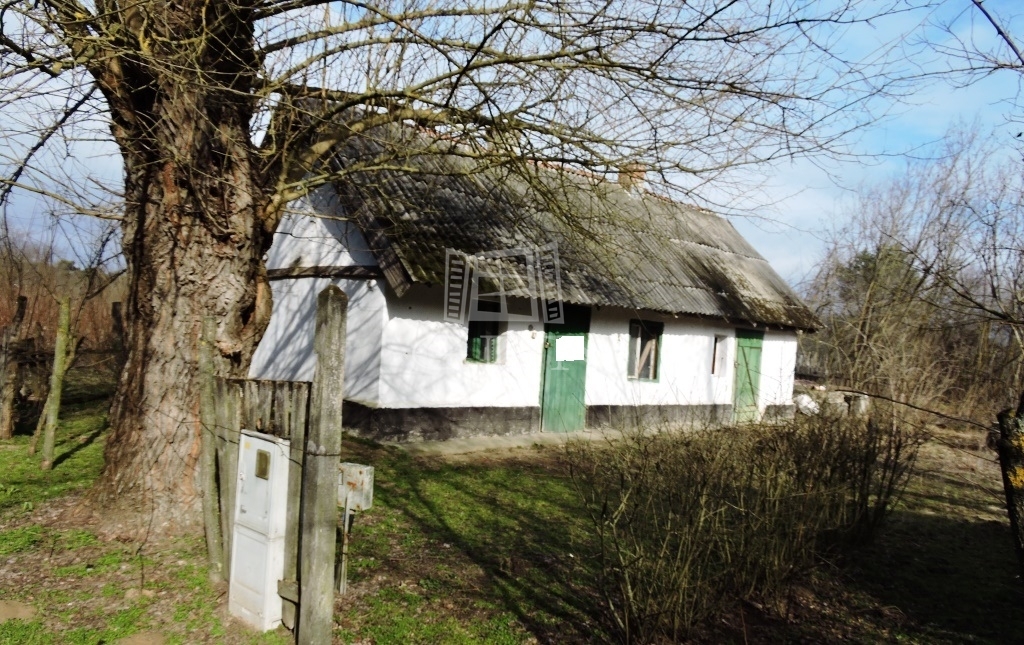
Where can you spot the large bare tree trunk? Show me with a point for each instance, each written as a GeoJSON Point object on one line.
{"type": "Point", "coordinates": [183, 263]}
{"type": "Point", "coordinates": [194, 239]}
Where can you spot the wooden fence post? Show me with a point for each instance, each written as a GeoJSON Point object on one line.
{"type": "Point", "coordinates": [208, 454]}
{"type": "Point", "coordinates": [298, 404]}
{"type": "Point", "coordinates": [1011, 462]}
{"type": "Point", "coordinates": [229, 432]}
{"type": "Point", "coordinates": [320, 472]}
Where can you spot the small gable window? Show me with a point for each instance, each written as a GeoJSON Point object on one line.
{"type": "Point", "coordinates": [644, 341]}
{"type": "Point", "coordinates": [482, 345]}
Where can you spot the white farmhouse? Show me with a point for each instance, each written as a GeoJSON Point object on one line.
{"type": "Point", "coordinates": [483, 303]}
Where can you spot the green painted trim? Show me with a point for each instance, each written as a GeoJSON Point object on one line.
{"type": "Point", "coordinates": [563, 396]}
{"type": "Point", "coordinates": [747, 377]}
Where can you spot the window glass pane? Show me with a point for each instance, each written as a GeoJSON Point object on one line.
{"type": "Point", "coordinates": [634, 340]}
{"type": "Point", "coordinates": [648, 356]}
{"type": "Point", "coordinates": [643, 348]}
{"type": "Point", "coordinates": [718, 356]}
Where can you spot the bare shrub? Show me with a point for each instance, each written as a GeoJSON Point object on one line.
{"type": "Point", "coordinates": [684, 524]}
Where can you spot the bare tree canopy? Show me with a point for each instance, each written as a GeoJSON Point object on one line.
{"type": "Point", "coordinates": [969, 53]}
{"type": "Point", "coordinates": [221, 112]}
{"type": "Point", "coordinates": [922, 291]}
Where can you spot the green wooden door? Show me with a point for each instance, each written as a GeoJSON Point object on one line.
{"type": "Point", "coordinates": [748, 375]}
{"type": "Point", "coordinates": [563, 406]}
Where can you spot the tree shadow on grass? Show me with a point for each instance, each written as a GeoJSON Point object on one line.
{"type": "Point", "coordinates": [80, 443]}
{"type": "Point", "coordinates": [516, 520]}
{"type": "Point", "coordinates": [954, 579]}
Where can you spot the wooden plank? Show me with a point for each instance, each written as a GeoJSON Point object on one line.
{"type": "Point", "coordinates": [222, 475]}
{"type": "Point", "coordinates": [224, 391]}
{"type": "Point", "coordinates": [265, 398]}
{"type": "Point", "coordinates": [319, 511]}
{"type": "Point", "coordinates": [281, 408]}
{"type": "Point", "coordinates": [256, 407]}
{"type": "Point", "coordinates": [208, 453]}
{"type": "Point", "coordinates": [298, 404]}
{"type": "Point", "coordinates": [51, 409]}
{"type": "Point", "coordinates": [289, 591]}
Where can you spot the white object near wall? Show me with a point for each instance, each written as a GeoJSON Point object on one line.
{"type": "Point", "coordinates": [355, 481]}
{"type": "Point", "coordinates": [570, 348]}
{"type": "Point", "coordinates": [257, 549]}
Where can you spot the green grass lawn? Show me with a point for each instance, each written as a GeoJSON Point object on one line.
{"type": "Point", "coordinates": [487, 549]}
{"type": "Point", "coordinates": [493, 550]}
{"type": "Point", "coordinates": [78, 459]}
{"type": "Point", "coordinates": [480, 551]}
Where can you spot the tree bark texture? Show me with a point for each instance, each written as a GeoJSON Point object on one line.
{"type": "Point", "coordinates": [1011, 462]}
{"type": "Point", "coordinates": [208, 469]}
{"type": "Point", "coordinates": [194, 234]}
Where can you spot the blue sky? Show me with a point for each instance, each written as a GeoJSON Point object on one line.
{"type": "Point", "coordinates": [806, 199]}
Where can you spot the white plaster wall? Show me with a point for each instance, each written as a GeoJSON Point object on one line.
{"type": "Point", "coordinates": [286, 351]}
{"type": "Point", "coordinates": [685, 376]}
{"type": "Point", "coordinates": [423, 359]}
{"type": "Point", "coordinates": [778, 367]}
{"type": "Point", "coordinates": [315, 232]}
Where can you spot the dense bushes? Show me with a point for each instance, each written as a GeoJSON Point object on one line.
{"type": "Point", "coordinates": [685, 523]}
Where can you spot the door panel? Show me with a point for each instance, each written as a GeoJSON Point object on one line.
{"type": "Point", "coordinates": [563, 402]}
{"type": "Point", "coordinates": [748, 375]}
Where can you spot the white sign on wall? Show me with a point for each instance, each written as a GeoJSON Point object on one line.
{"type": "Point", "coordinates": [569, 348]}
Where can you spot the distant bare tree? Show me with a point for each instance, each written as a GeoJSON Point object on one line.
{"type": "Point", "coordinates": [925, 285]}
{"type": "Point", "coordinates": [33, 275]}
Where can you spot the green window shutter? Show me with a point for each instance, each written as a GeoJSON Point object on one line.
{"type": "Point", "coordinates": [482, 345]}
{"type": "Point", "coordinates": [474, 349]}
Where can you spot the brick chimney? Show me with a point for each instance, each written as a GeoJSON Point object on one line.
{"type": "Point", "coordinates": [632, 176]}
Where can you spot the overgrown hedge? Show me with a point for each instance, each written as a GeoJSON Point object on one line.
{"type": "Point", "coordinates": [685, 523]}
